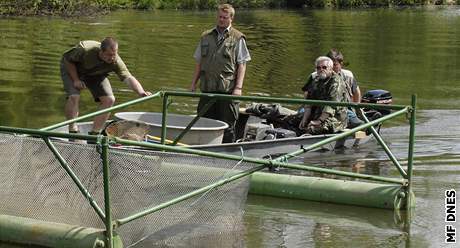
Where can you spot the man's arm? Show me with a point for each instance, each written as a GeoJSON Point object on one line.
{"type": "Point", "coordinates": [307, 87]}
{"type": "Point", "coordinates": [357, 95]}
{"type": "Point", "coordinates": [72, 70]}
{"type": "Point", "coordinates": [136, 86]}
{"type": "Point", "coordinates": [242, 57]}
{"type": "Point", "coordinates": [196, 76]}
{"type": "Point", "coordinates": [306, 117]}
{"type": "Point", "coordinates": [307, 109]}
{"type": "Point", "coordinates": [241, 71]}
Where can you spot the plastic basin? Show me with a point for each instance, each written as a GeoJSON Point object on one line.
{"type": "Point", "coordinates": [204, 131]}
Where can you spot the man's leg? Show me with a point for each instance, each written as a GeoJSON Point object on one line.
{"type": "Point", "coordinates": [104, 94]}
{"type": "Point", "coordinates": [211, 112]}
{"type": "Point", "coordinates": [71, 110]}
{"type": "Point", "coordinates": [222, 110]}
{"type": "Point", "coordinates": [100, 88]}
{"type": "Point", "coordinates": [99, 121]}
{"type": "Point", "coordinates": [229, 114]}
{"type": "Point", "coordinates": [73, 98]}
{"type": "Point", "coordinates": [317, 130]}
{"type": "Point", "coordinates": [330, 125]}
{"type": "Point", "coordinates": [353, 120]}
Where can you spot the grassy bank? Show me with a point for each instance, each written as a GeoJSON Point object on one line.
{"type": "Point", "coordinates": [88, 7]}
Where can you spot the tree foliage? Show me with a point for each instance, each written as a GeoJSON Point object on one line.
{"type": "Point", "coordinates": [87, 7]}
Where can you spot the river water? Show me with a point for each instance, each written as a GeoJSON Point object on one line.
{"type": "Point", "coordinates": [407, 51]}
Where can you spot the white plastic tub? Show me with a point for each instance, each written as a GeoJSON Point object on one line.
{"type": "Point", "coordinates": [204, 131]}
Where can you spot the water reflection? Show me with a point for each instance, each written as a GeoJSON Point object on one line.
{"type": "Point", "coordinates": [385, 49]}
{"type": "Point", "coordinates": [293, 223]}
{"type": "Point", "coordinates": [406, 51]}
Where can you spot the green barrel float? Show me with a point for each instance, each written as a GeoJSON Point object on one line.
{"type": "Point", "coordinates": [19, 230]}
{"type": "Point", "coordinates": [388, 196]}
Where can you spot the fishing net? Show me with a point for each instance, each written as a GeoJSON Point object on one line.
{"type": "Point", "coordinates": [34, 185]}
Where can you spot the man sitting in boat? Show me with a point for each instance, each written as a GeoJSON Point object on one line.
{"type": "Point", "coordinates": [326, 85]}
{"type": "Point", "coordinates": [353, 91]}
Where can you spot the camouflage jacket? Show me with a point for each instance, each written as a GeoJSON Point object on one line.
{"type": "Point", "coordinates": [330, 89]}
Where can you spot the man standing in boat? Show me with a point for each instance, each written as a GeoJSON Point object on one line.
{"type": "Point", "coordinates": [87, 65]}
{"type": "Point", "coordinates": [326, 85]}
{"type": "Point", "coordinates": [221, 58]}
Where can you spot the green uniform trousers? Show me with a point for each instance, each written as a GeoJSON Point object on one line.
{"type": "Point", "coordinates": [222, 110]}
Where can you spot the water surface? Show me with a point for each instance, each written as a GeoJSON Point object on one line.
{"type": "Point", "coordinates": [407, 51]}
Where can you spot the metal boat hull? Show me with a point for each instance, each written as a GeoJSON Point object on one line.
{"type": "Point", "coordinates": [263, 148]}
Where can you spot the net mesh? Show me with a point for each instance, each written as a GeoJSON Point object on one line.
{"type": "Point", "coordinates": [34, 185]}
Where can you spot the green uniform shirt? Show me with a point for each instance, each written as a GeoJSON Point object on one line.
{"type": "Point", "coordinates": [85, 55]}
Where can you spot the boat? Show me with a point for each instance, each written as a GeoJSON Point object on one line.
{"type": "Point", "coordinates": [257, 137]}
{"type": "Point", "coordinates": [140, 132]}
{"type": "Point", "coordinates": [211, 135]}
{"type": "Point", "coordinates": [277, 147]}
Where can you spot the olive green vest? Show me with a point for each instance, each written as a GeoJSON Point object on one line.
{"type": "Point", "coordinates": [218, 61]}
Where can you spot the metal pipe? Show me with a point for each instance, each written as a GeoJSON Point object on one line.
{"type": "Point", "coordinates": [75, 179]}
{"type": "Point", "coordinates": [410, 158]}
{"type": "Point", "coordinates": [107, 201]}
{"type": "Point", "coordinates": [345, 134]}
{"type": "Point", "coordinates": [367, 177]}
{"type": "Point", "coordinates": [197, 117]}
{"type": "Point", "coordinates": [385, 147]}
{"type": "Point", "coordinates": [234, 177]}
{"type": "Point", "coordinates": [286, 100]}
{"type": "Point", "coordinates": [163, 119]}
{"type": "Point", "coordinates": [40, 133]}
{"type": "Point", "coordinates": [257, 161]}
{"type": "Point", "coordinates": [343, 173]}
{"type": "Point", "coordinates": [102, 111]}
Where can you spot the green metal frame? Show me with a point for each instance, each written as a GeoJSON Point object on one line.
{"type": "Point", "coordinates": [197, 117]}
{"type": "Point", "coordinates": [103, 145]}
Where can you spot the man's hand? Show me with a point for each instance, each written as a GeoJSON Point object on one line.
{"type": "Point", "coordinates": [196, 76]}
{"type": "Point", "coordinates": [302, 124]}
{"type": "Point", "coordinates": [314, 123]}
{"type": "Point", "coordinates": [305, 117]}
{"type": "Point", "coordinates": [78, 84]}
{"type": "Point", "coordinates": [145, 93]}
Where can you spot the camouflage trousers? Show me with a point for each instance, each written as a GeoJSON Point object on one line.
{"type": "Point", "coordinates": [330, 125]}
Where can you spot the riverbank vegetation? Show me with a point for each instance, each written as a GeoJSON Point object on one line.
{"type": "Point", "coordinates": [88, 7]}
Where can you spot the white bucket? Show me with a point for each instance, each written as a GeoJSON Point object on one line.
{"type": "Point", "coordinates": [204, 131]}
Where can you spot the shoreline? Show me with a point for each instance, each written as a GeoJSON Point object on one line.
{"type": "Point", "coordinates": [75, 8]}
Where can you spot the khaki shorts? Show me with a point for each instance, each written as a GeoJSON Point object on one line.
{"type": "Point", "coordinates": [97, 85]}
